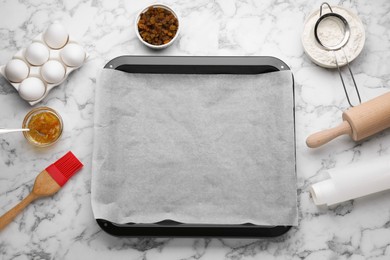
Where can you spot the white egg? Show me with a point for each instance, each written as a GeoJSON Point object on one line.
{"type": "Point", "coordinates": [73, 55]}
{"type": "Point", "coordinates": [32, 89]}
{"type": "Point", "coordinates": [56, 36]}
{"type": "Point", "coordinates": [53, 71]}
{"type": "Point", "coordinates": [16, 70]}
{"type": "Point", "coordinates": [37, 54]}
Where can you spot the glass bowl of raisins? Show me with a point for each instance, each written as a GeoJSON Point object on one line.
{"type": "Point", "coordinates": [157, 26]}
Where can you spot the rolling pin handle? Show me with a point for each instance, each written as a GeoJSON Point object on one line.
{"type": "Point", "coordinates": [322, 137]}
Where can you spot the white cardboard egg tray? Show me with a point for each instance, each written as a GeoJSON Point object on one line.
{"type": "Point", "coordinates": [35, 70]}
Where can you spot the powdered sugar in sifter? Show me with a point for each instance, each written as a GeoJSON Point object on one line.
{"type": "Point", "coordinates": [332, 33]}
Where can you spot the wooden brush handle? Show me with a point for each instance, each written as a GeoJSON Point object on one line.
{"type": "Point", "coordinates": [44, 185]}
{"type": "Point", "coordinates": [320, 138]}
{"type": "Point", "coordinates": [12, 213]}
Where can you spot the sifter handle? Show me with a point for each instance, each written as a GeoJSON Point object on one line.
{"type": "Point", "coordinates": [322, 137]}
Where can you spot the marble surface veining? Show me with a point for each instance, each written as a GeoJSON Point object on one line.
{"type": "Point", "coordinates": [63, 227]}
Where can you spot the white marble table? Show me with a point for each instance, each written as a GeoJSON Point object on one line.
{"type": "Point", "coordinates": [63, 227]}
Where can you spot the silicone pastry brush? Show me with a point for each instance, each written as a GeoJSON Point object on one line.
{"type": "Point", "coordinates": [47, 183]}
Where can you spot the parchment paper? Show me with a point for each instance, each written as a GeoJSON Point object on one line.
{"type": "Point", "coordinates": [352, 181]}
{"type": "Point", "coordinates": [215, 149]}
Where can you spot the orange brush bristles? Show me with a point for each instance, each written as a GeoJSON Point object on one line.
{"type": "Point", "coordinates": [64, 168]}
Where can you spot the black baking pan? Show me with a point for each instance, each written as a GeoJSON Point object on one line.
{"type": "Point", "coordinates": [194, 65]}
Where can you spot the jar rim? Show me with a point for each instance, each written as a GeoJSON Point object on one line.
{"type": "Point", "coordinates": [34, 111]}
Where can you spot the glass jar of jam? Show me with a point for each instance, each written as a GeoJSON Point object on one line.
{"type": "Point", "coordinates": [45, 126]}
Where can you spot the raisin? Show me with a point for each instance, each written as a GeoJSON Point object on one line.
{"type": "Point", "coordinates": [157, 26]}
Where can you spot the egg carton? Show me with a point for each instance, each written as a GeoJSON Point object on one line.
{"type": "Point", "coordinates": [64, 56]}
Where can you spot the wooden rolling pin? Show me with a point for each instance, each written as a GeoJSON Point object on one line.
{"type": "Point", "coordinates": [359, 122]}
